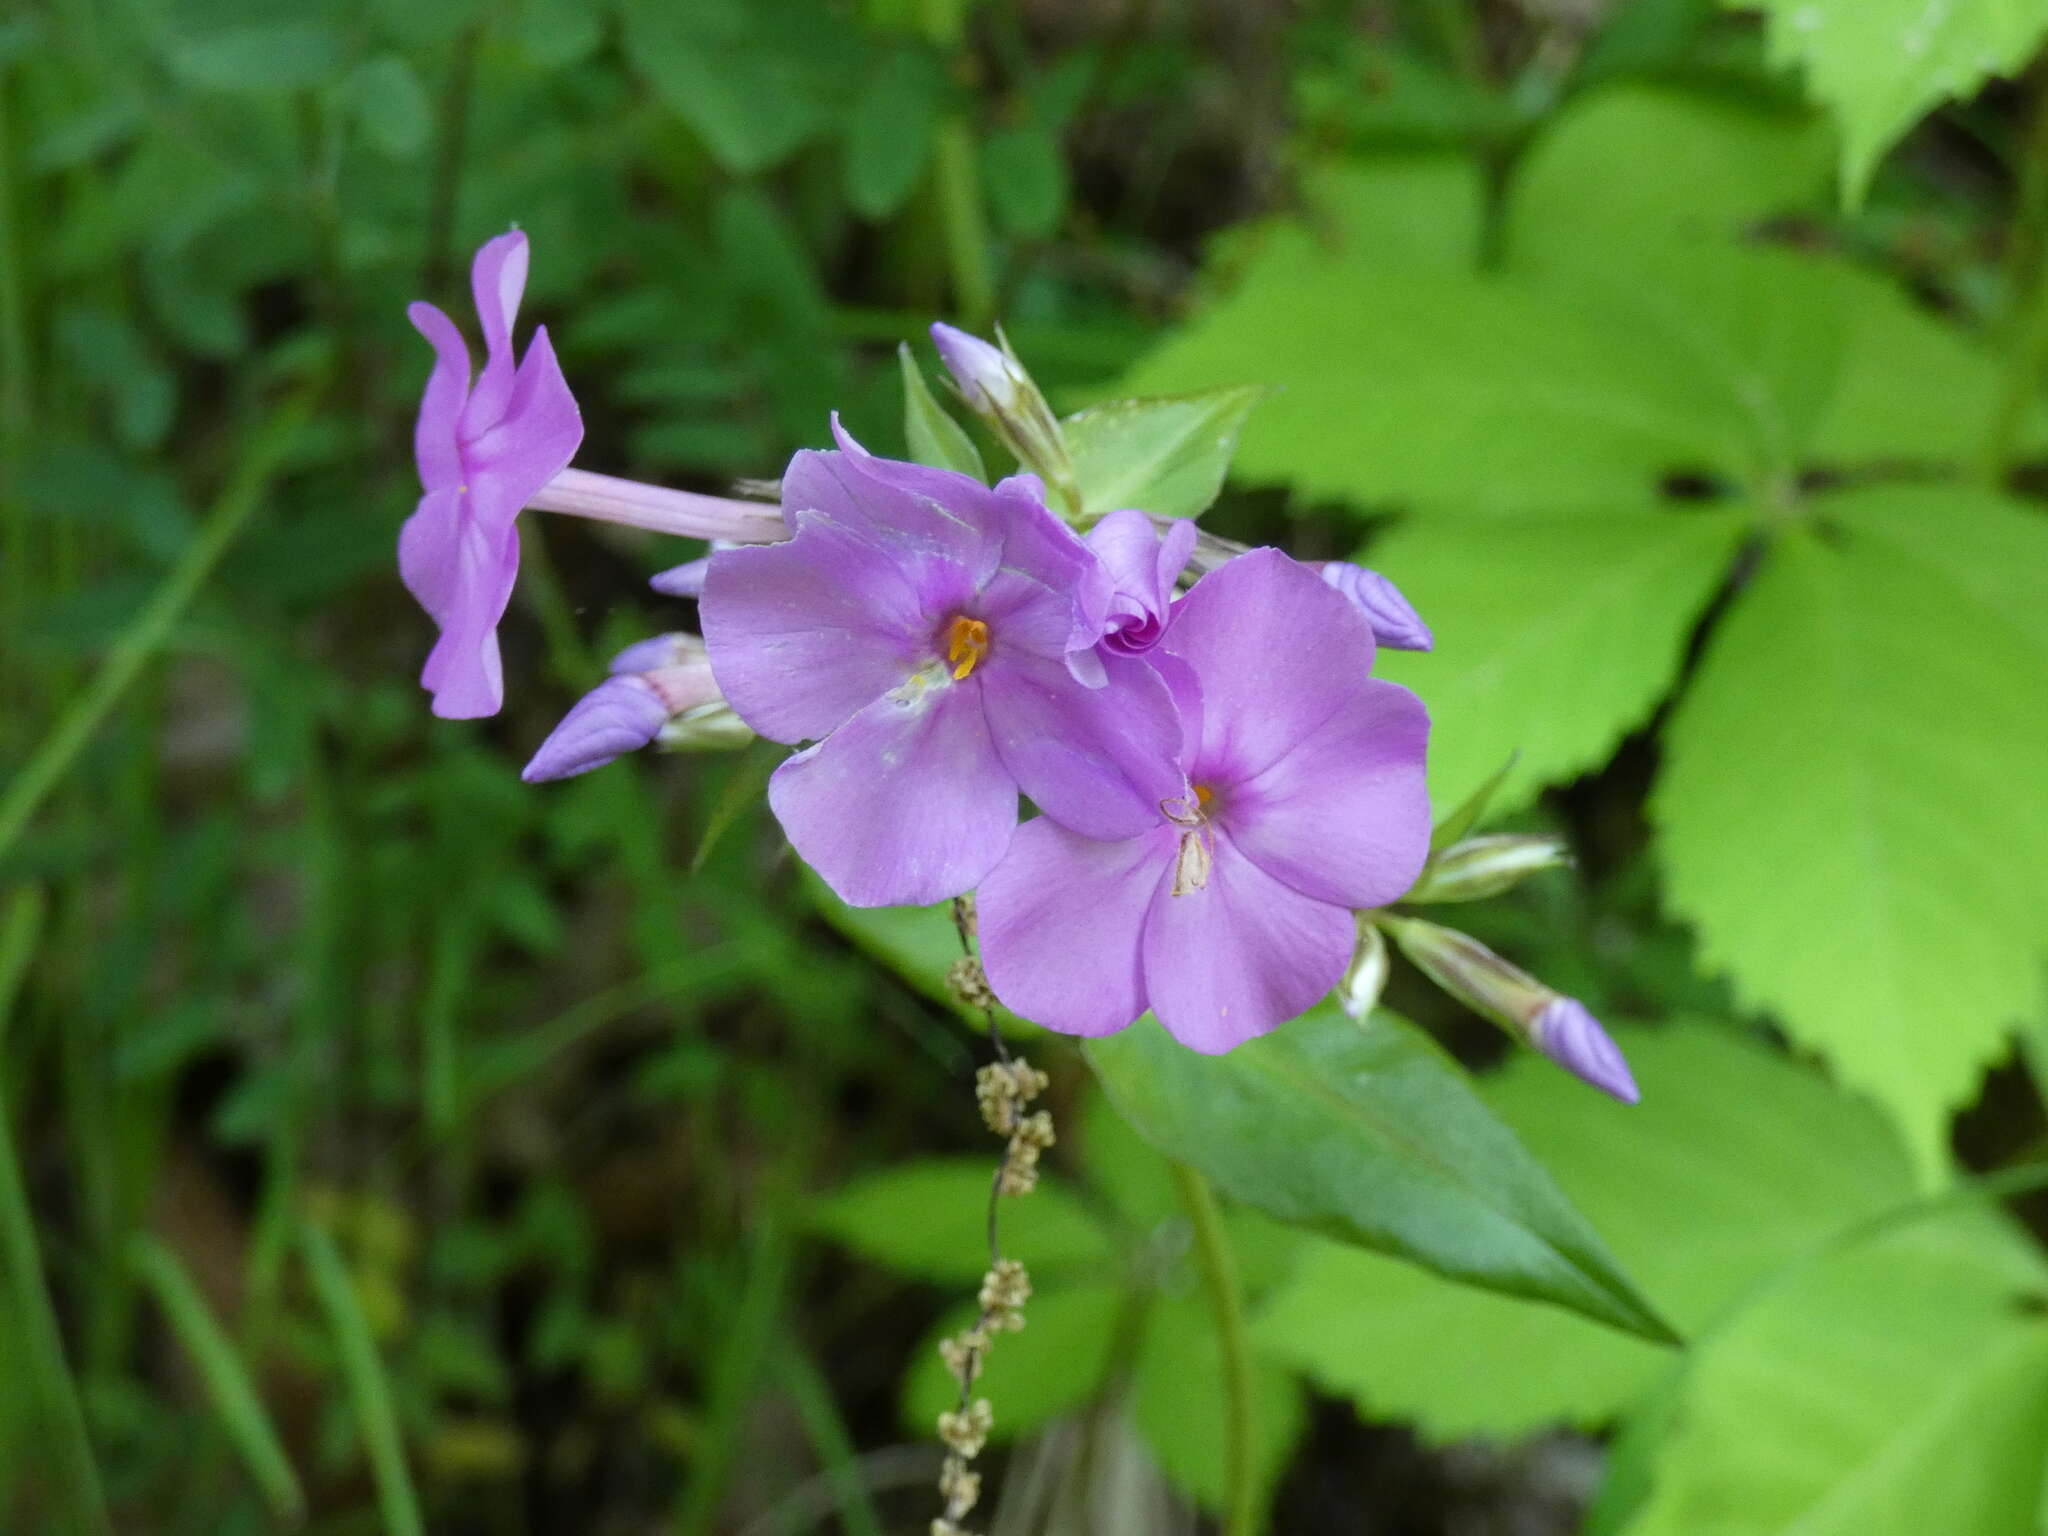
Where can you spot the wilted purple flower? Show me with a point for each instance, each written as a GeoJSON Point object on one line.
{"type": "Point", "coordinates": [483, 453]}
{"type": "Point", "coordinates": [1305, 800]}
{"type": "Point", "coordinates": [933, 637]}
{"type": "Point", "coordinates": [1395, 622]}
{"type": "Point", "coordinates": [651, 683]}
{"type": "Point", "coordinates": [1570, 1036]}
{"type": "Point", "coordinates": [1143, 565]}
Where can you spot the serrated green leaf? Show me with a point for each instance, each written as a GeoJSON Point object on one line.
{"type": "Point", "coordinates": [1163, 456]}
{"type": "Point", "coordinates": [1735, 1162]}
{"type": "Point", "coordinates": [1585, 193]}
{"type": "Point", "coordinates": [889, 137]}
{"type": "Point", "coordinates": [1850, 804]}
{"type": "Point", "coordinates": [1880, 64]}
{"type": "Point", "coordinates": [1890, 1390]}
{"type": "Point", "coordinates": [1056, 1363]}
{"type": "Point", "coordinates": [929, 1219]}
{"type": "Point", "coordinates": [1371, 1136]}
{"type": "Point", "coordinates": [1554, 635]}
{"type": "Point", "coordinates": [930, 431]}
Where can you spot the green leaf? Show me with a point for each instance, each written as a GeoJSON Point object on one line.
{"type": "Point", "coordinates": [929, 1219]}
{"type": "Point", "coordinates": [1881, 64]}
{"type": "Point", "coordinates": [1372, 1136]}
{"type": "Point", "coordinates": [1851, 807]}
{"type": "Point", "coordinates": [1163, 456]}
{"type": "Point", "coordinates": [890, 136]}
{"type": "Point", "coordinates": [391, 105]}
{"type": "Point", "coordinates": [1179, 1405]}
{"type": "Point", "coordinates": [919, 944]}
{"type": "Point", "coordinates": [557, 33]}
{"type": "Point", "coordinates": [1554, 635]}
{"type": "Point", "coordinates": [1736, 1162]}
{"type": "Point", "coordinates": [932, 434]}
{"type": "Point", "coordinates": [273, 56]}
{"type": "Point", "coordinates": [1026, 177]}
{"type": "Point", "coordinates": [1057, 1363]}
{"type": "Point", "coordinates": [1890, 1390]}
{"type": "Point", "coordinates": [1584, 195]}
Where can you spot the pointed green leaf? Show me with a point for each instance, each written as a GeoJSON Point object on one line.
{"type": "Point", "coordinates": [1370, 1135]}
{"type": "Point", "coordinates": [1554, 635]}
{"type": "Point", "coordinates": [1163, 456]}
{"type": "Point", "coordinates": [1851, 801]}
{"type": "Point", "coordinates": [1881, 64]}
{"type": "Point", "coordinates": [930, 1219]}
{"type": "Point", "coordinates": [1892, 1389]}
{"type": "Point", "coordinates": [932, 434]}
{"type": "Point", "coordinates": [1736, 1162]}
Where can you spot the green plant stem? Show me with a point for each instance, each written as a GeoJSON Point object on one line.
{"type": "Point", "coordinates": [1226, 1301]}
{"type": "Point", "coordinates": [33, 1317]}
{"type": "Point", "coordinates": [958, 179]}
{"type": "Point", "coordinates": [2026, 275]}
{"type": "Point", "coordinates": [134, 647]}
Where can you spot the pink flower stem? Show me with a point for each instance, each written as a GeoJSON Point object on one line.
{"type": "Point", "coordinates": [685, 514]}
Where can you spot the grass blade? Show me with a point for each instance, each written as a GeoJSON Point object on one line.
{"type": "Point", "coordinates": [368, 1387]}
{"type": "Point", "coordinates": [235, 1400]}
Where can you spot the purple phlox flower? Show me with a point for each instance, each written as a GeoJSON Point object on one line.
{"type": "Point", "coordinates": [1143, 564]}
{"type": "Point", "coordinates": [1395, 622]}
{"type": "Point", "coordinates": [988, 378]}
{"type": "Point", "coordinates": [935, 639]}
{"type": "Point", "coordinates": [483, 452]}
{"type": "Point", "coordinates": [1570, 1036]}
{"type": "Point", "coordinates": [651, 683]}
{"type": "Point", "coordinates": [1304, 800]}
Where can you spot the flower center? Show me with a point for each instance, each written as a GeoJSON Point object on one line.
{"type": "Point", "coordinates": [1197, 849]}
{"type": "Point", "coordinates": [966, 644]}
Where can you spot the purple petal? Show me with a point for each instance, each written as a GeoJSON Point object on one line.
{"type": "Point", "coordinates": [905, 804]}
{"type": "Point", "coordinates": [1062, 918]}
{"type": "Point", "coordinates": [1343, 815]}
{"type": "Point", "coordinates": [1240, 956]}
{"type": "Point", "coordinates": [1393, 618]}
{"type": "Point", "coordinates": [685, 580]}
{"type": "Point", "coordinates": [804, 634]}
{"type": "Point", "coordinates": [619, 715]}
{"type": "Point", "coordinates": [1143, 567]}
{"type": "Point", "coordinates": [1098, 761]}
{"type": "Point", "coordinates": [535, 438]}
{"type": "Point", "coordinates": [1268, 641]}
{"type": "Point", "coordinates": [497, 278]}
{"type": "Point", "coordinates": [920, 512]}
{"type": "Point", "coordinates": [657, 651]}
{"type": "Point", "coordinates": [986, 378]}
{"type": "Point", "coordinates": [1570, 1036]}
{"type": "Point", "coordinates": [434, 440]}
{"type": "Point", "coordinates": [460, 568]}
{"type": "Point", "coordinates": [1052, 593]}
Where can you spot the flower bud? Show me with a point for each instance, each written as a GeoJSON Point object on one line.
{"type": "Point", "coordinates": [1486, 866]}
{"type": "Point", "coordinates": [1395, 623]}
{"type": "Point", "coordinates": [993, 384]}
{"type": "Point", "coordinates": [655, 686]}
{"type": "Point", "coordinates": [1545, 1020]}
{"type": "Point", "coordinates": [1359, 992]}
{"type": "Point", "coordinates": [708, 728]}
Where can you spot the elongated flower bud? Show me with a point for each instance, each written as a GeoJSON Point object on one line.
{"type": "Point", "coordinates": [1538, 1016]}
{"type": "Point", "coordinates": [1364, 979]}
{"type": "Point", "coordinates": [1395, 623]}
{"type": "Point", "coordinates": [654, 684]}
{"type": "Point", "coordinates": [993, 384]}
{"type": "Point", "coordinates": [1485, 866]}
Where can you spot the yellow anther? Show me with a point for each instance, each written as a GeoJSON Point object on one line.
{"type": "Point", "coordinates": [1203, 795]}
{"type": "Point", "coordinates": [966, 644]}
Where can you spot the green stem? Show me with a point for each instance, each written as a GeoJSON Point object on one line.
{"type": "Point", "coordinates": [958, 178]}
{"type": "Point", "coordinates": [1226, 1300]}
{"type": "Point", "coordinates": [135, 646]}
{"type": "Point", "coordinates": [35, 1318]}
{"type": "Point", "coordinates": [2026, 278]}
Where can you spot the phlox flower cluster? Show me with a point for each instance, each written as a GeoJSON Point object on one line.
{"type": "Point", "coordinates": [1161, 762]}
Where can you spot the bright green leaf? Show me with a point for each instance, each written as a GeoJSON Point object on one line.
{"type": "Point", "coordinates": [1180, 1409]}
{"type": "Point", "coordinates": [932, 434]}
{"type": "Point", "coordinates": [1736, 1161]}
{"type": "Point", "coordinates": [1372, 1136]}
{"type": "Point", "coordinates": [1058, 1362]}
{"type": "Point", "coordinates": [1881, 64]}
{"type": "Point", "coordinates": [1890, 1390]}
{"type": "Point", "coordinates": [889, 138]}
{"type": "Point", "coordinates": [1026, 177]}
{"type": "Point", "coordinates": [1554, 636]}
{"type": "Point", "coordinates": [1850, 804]}
{"type": "Point", "coordinates": [1167, 457]}
{"type": "Point", "coordinates": [930, 1219]}
{"type": "Point", "coordinates": [919, 944]}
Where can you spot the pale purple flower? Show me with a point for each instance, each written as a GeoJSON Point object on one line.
{"type": "Point", "coordinates": [483, 453]}
{"type": "Point", "coordinates": [1305, 800]}
{"type": "Point", "coordinates": [1570, 1036]}
{"type": "Point", "coordinates": [1394, 620]}
{"type": "Point", "coordinates": [988, 378]}
{"type": "Point", "coordinates": [935, 639]}
{"type": "Point", "coordinates": [651, 683]}
{"type": "Point", "coordinates": [1143, 564]}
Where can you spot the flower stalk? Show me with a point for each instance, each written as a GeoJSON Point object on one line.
{"type": "Point", "coordinates": [685, 514]}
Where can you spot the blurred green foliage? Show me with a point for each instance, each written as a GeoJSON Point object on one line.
{"type": "Point", "coordinates": [395, 1146]}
